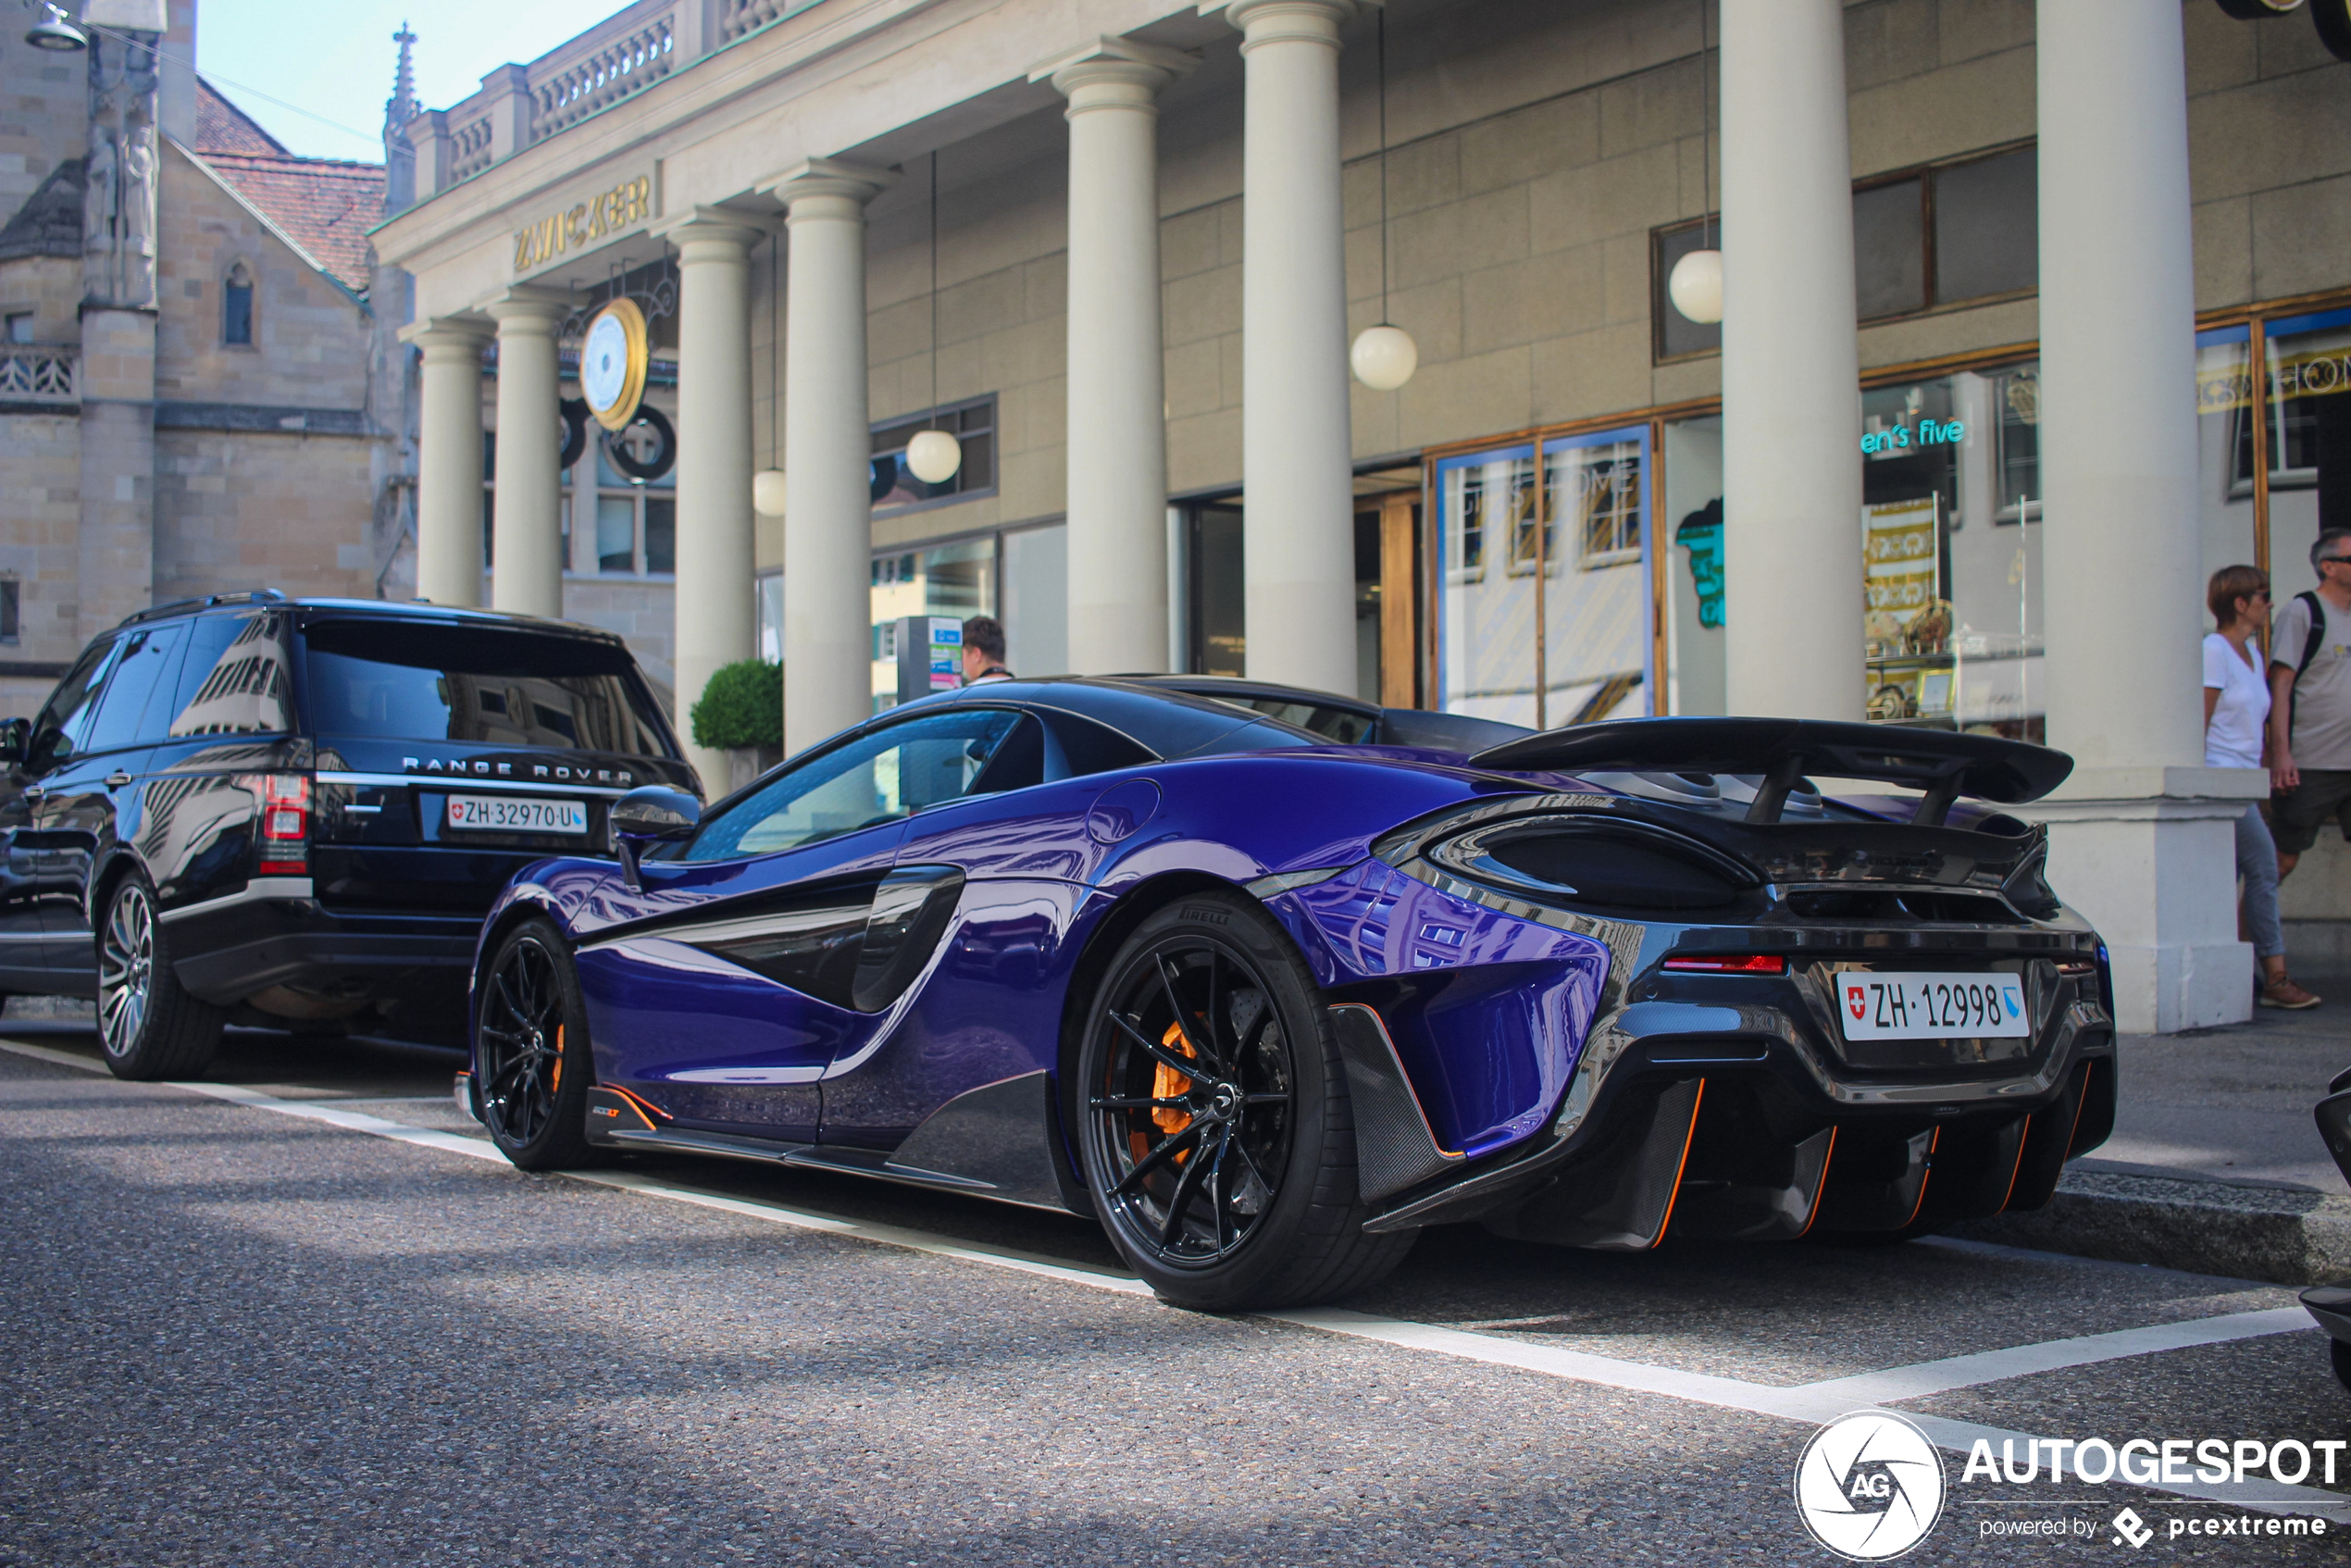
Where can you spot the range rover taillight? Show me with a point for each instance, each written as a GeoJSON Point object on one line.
{"type": "Point", "coordinates": [285, 824]}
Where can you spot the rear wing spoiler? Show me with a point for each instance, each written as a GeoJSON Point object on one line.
{"type": "Point", "coordinates": [1944, 763]}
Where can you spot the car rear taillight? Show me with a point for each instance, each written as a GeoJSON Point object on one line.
{"type": "Point", "coordinates": [1733, 964]}
{"type": "Point", "coordinates": [285, 824]}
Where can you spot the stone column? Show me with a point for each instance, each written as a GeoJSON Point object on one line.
{"type": "Point", "coordinates": [526, 548]}
{"type": "Point", "coordinates": [449, 458]}
{"type": "Point", "coordinates": [828, 519]}
{"type": "Point", "coordinates": [1298, 449]}
{"type": "Point", "coordinates": [2141, 837]}
{"type": "Point", "coordinates": [716, 611]}
{"type": "Point", "coordinates": [1117, 427]}
{"type": "Point", "coordinates": [1791, 371]}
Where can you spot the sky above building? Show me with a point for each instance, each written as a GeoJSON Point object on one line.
{"type": "Point", "coordinates": [321, 90]}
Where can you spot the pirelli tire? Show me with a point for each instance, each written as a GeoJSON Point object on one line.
{"type": "Point", "coordinates": [1215, 1135]}
{"type": "Point", "coordinates": [532, 1062]}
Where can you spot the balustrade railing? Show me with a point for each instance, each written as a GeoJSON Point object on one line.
{"type": "Point", "coordinates": [46, 375]}
{"type": "Point", "coordinates": [520, 105]}
{"type": "Point", "coordinates": [568, 86]}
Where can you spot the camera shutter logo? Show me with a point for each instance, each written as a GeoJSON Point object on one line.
{"type": "Point", "coordinates": [1870, 1486]}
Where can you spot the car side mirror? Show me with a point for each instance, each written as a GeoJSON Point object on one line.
{"type": "Point", "coordinates": [650, 813]}
{"type": "Point", "coordinates": [16, 739]}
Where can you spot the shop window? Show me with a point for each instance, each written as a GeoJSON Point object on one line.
{"type": "Point", "coordinates": [1562, 636]}
{"type": "Point", "coordinates": [973, 424]}
{"type": "Point", "coordinates": [1950, 491]}
{"type": "Point", "coordinates": [957, 580]}
{"type": "Point", "coordinates": [1946, 234]}
{"type": "Point", "coordinates": [1035, 613]}
{"type": "Point", "coordinates": [769, 589]}
{"type": "Point", "coordinates": [2306, 438]}
{"type": "Point", "coordinates": [236, 306]}
{"type": "Point", "coordinates": [1216, 592]}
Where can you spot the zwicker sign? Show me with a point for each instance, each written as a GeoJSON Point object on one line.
{"type": "Point", "coordinates": [608, 213]}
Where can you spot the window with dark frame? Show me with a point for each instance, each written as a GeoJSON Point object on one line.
{"type": "Point", "coordinates": [972, 422]}
{"type": "Point", "coordinates": [7, 610]}
{"type": "Point", "coordinates": [236, 307]}
{"type": "Point", "coordinates": [1948, 233]}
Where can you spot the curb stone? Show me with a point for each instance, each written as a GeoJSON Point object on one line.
{"type": "Point", "coordinates": [2282, 1235]}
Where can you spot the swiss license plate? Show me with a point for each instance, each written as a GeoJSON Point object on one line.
{"type": "Point", "coordinates": [1893, 1006]}
{"type": "Point", "coordinates": [516, 813]}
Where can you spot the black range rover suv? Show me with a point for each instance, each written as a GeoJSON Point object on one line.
{"type": "Point", "coordinates": [293, 813]}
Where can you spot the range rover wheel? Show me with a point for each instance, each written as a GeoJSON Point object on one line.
{"type": "Point", "coordinates": [148, 1024]}
{"type": "Point", "coordinates": [1216, 1136]}
{"type": "Point", "coordinates": [532, 1066]}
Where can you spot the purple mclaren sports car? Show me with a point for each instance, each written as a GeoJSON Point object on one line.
{"type": "Point", "coordinates": [1266, 979]}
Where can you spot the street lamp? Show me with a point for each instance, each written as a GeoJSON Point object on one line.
{"type": "Point", "coordinates": [767, 492]}
{"type": "Point", "coordinates": [54, 32]}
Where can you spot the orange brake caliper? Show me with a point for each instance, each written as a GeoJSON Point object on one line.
{"type": "Point", "coordinates": [1167, 1083]}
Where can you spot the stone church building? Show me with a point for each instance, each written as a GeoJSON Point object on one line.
{"type": "Point", "coordinates": [195, 397]}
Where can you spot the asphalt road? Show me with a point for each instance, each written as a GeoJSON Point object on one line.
{"type": "Point", "coordinates": [241, 1335]}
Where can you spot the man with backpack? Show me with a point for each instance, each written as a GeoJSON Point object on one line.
{"type": "Point", "coordinates": [2310, 705]}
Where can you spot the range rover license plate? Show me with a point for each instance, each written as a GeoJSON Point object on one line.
{"type": "Point", "coordinates": [516, 813]}
{"type": "Point", "coordinates": [1896, 1006]}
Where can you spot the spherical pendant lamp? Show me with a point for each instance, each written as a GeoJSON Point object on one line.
{"type": "Point", "coordinates": [1385, 357]}
{"type": "Point", "coordinates": [767, 492]}
{"type": "Point", "coordinates": [1696, 286]}
{"type": "Point", "coordinates": [934, 455]}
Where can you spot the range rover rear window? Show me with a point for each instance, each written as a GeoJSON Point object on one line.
{"type": "Point", "coordinates": [394, 681]}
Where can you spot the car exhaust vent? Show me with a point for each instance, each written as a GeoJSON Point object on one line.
{"type": "Point", "coordinates": [1881, 906]}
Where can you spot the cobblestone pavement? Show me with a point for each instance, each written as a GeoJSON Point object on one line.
{"type": "Point", "coordinates": [241, 1335]}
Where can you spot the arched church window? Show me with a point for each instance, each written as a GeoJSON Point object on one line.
{"type": "Point", "coordinates": [236, 324]}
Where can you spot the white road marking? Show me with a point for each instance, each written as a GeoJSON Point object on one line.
{"type": "Point", "coordinates": [2025, 1361]}
{"type": "Point", "coordinates": [1807, 1402]}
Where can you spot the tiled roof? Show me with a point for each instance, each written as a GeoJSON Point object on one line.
{"type": "Point", "coordinates": [50, 221]}
{"type": "Point", "coordinates": [326, 204]}
{"type": "Point", "coordinates": [221, 127]}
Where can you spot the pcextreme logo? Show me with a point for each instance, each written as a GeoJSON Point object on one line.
{"type": "Point", "coordinates": [1870, 1486]}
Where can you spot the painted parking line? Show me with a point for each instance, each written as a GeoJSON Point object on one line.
{"type": "Point", "coordinates": [1807, 1403]}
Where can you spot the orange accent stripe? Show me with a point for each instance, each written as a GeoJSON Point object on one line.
{"type": "Point", "coordinates": [645, 1107]}
{"type": "Point", "coordinates": [1934, 1142]}
{"type": "Point", "coordinates": [1826, 1161]}
{"type": "Point", "coordinates": [2080, 1103]}
{"type": "Point", "coordinates": [2024, 1141]}
{"type": "Point", "coordinates": [1688, 1136]}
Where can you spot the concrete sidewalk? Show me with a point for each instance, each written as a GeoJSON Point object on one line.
{"type": "Point", "coordinates": [2215, 1165]}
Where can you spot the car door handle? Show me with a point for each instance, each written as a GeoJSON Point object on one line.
{"type": "Point", "coordinates": [36, 792]}
{"type": "Point", "coordinates": [116, 779]}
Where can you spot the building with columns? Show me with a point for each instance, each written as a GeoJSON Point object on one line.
{"type": "Point", "coordinates": [2031, 316]}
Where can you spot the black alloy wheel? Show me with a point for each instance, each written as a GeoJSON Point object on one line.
{"type": "Point", "coordinates": [148, 1024]}
{"type": "Point", "coordinates": [1217, 1142]}
{"type": "Point", "coordinates": [532, 1065]}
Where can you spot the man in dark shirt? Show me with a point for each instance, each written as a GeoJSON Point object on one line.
{"type": "Point", "coordinates": [984, 651]}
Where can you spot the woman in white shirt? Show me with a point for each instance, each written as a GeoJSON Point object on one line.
{"type": "Point", "coordinates": [2236, 705]}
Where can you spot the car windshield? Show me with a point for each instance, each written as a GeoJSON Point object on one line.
{"type": "Point", "coordinates": [393, 680]}
{"type": "Point", "coordinates": [882, 777]}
